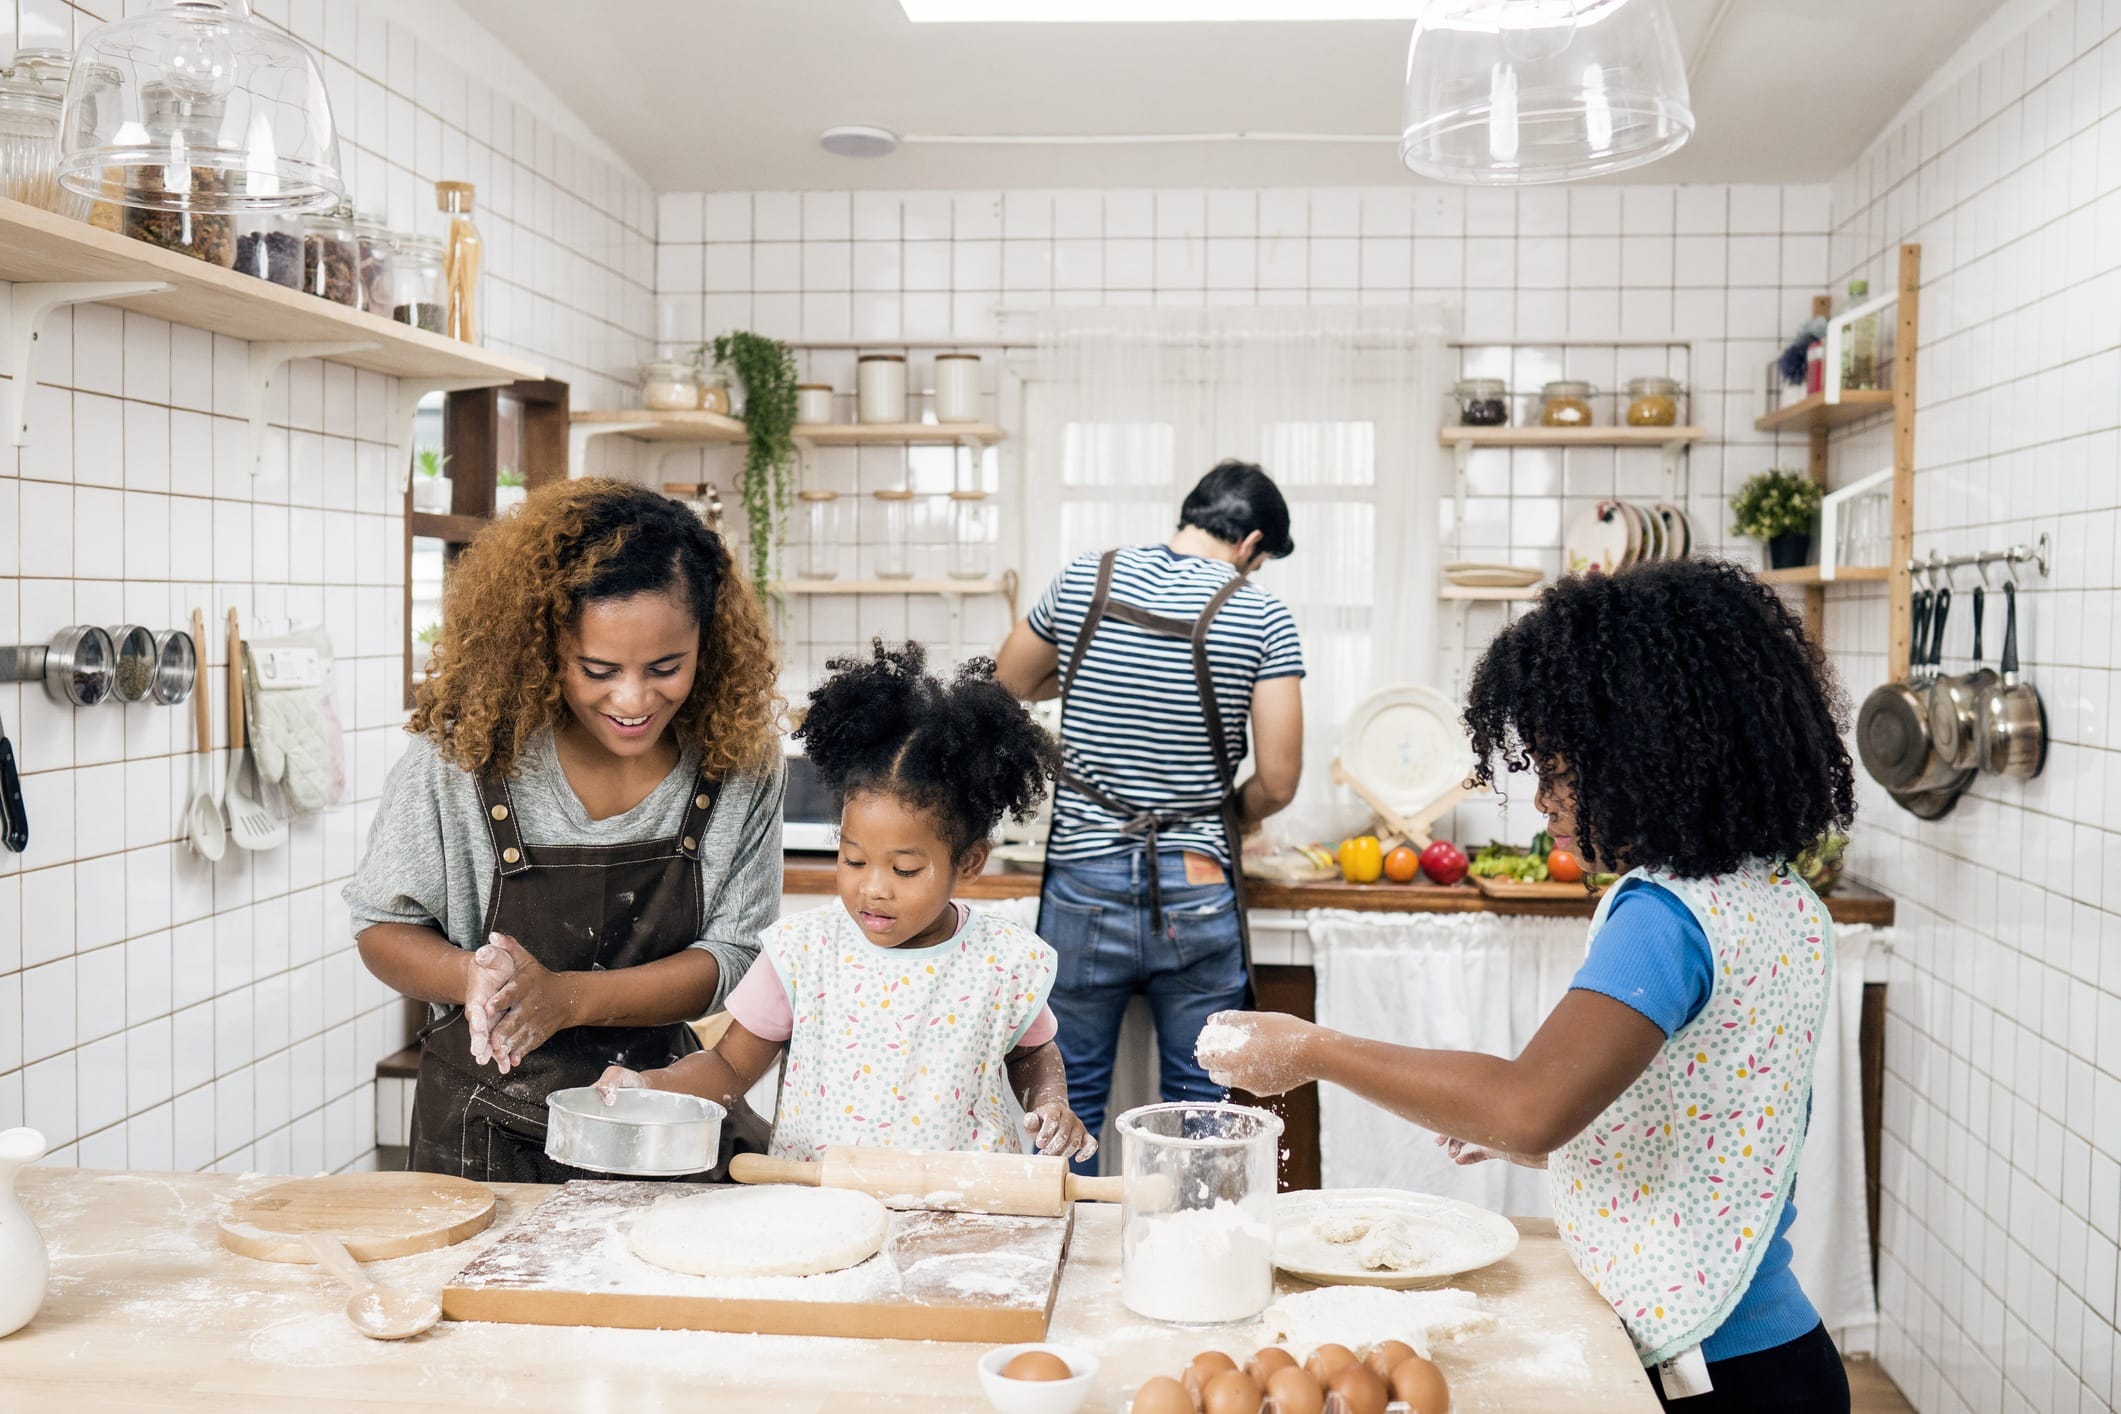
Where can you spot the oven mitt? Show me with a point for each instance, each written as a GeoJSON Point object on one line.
{"type": "Point", "coordinates": [295, 739]}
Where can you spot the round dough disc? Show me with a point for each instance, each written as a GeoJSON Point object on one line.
{"type": "Point", "coordinates": [775, 1231]}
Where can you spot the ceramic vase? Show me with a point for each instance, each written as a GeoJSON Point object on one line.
{"type": "Point", "coordinates": [22, 1260]}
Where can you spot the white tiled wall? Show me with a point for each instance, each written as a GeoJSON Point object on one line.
{"type": "Point", "coordinates": [2002, 1163]}
{"type": "Point", "coordinates": [156, 1012]}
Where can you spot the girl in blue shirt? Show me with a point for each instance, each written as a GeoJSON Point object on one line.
{"type": "Point", "coordinates": [1687, 734]}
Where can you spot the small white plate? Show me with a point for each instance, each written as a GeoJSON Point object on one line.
{"type": "Point", "coordinates": [1463, 1237]}
{"type": "Point", "coordinates": [1597, 542]}
{"type": "Point", "coordinates": [1480, 576]}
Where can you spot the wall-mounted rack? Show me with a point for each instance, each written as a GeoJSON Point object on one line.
{"type": "Point", "coordinates": [2039, 553]}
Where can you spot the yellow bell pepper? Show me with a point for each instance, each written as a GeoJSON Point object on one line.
{"type": "Point", "coordinates": [1362, 860]}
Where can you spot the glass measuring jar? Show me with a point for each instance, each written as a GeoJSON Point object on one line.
{"type": "Point", "coordinates": [1197, 1235]}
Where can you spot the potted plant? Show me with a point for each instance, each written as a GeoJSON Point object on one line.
{"type": "Point", "coordinates": [1778, 506]}
{"type": "Point", "coordinates": [431, 489]}
{"type": "Point", "coordinates": [509, 490]}
{"type": "Point", "coordinates": [764, 372]}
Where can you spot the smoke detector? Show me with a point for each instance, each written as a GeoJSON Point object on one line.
{"type": "Point", "coordinates": [858, 140]}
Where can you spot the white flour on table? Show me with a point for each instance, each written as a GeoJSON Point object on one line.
{"type": "Point", "coordinates": [1356, 1316]}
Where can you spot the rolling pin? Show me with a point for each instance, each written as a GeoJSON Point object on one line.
{"type": "Point", "coordinates": [1013, 1185]}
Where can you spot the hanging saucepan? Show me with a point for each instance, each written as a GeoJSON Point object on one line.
{"type": "Point", "coordinates": [1931, 802]}
{"type": "Point", "coordinates": [2013, 730]}
{"type": "Point", "coordinates": [1892, 729]}
{"type": "Point", "coordinates": [1955, 705]}
{"type": "Point", "coordinates": [1937, 770]}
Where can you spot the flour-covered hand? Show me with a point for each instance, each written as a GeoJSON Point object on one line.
{"type": "Point", "coordinates": [529, 1007]}
{"type": "Point", "coordinates": [1262, 1052]}
{"type": "Point", "coordinates": [1057, 1132]}
{"type": "Point", "coordinates": [616, 1078]}
{"type": "Point", "coordinates": [1466, 1154]}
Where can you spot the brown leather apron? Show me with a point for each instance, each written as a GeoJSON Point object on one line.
{"type": "Point", "coordinates": [1149, 825]}
{"type": "Point", "coordinates": [575, 908]}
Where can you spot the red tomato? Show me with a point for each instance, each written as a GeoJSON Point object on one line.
{"type": "Point", "coordinates": [1444, 862]}
{"type": "Point", "coordinates": [1401, 865]}
{"type": "Point", "coordinates": [1564, 867]}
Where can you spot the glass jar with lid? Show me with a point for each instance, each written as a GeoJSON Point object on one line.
{"type": "Point", "coordinates": [419, 293]}
{"type": "Point", "coordinates": [714, 390]}
{"type": "Point", "coordinates": [1481, 402]}
{"type": "Point", "coordinates": [669, 386]}
{"type": "Point", "coordinates": [894, 557]}
{"type": "Point", "coordinates": [29, 146]}
{"type": "Point", "coordinates": [269, 247]}
{"type": "Point", "coordinates": [331, 256]}
{"type": "Point", "coordinates": [972, 535]}
{"type": "Point", "coordinates": [373, 242]}
{"type": "Point", "coordinates": [182, 217]}
{"type": "Point", "coordinates": [821, 544]}
{"type": "Point", "coordinates": [1565, 402]}
{"type": "Point", "coordinates": [1653, 402]}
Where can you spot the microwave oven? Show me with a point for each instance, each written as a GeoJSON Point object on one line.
{"type": "Point", "coordinates": [809, 821]}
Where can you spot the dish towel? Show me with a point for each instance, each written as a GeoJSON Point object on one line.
{"type": "Point", "coordinates": [1478, 982]}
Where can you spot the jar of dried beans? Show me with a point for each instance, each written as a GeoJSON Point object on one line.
{"type": "Point", "coordinates": [331, 257]}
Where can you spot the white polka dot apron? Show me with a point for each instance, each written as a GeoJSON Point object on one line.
{"type": "Point", "coordinates": [899, 1048]}
{"type": "Point", "coordinates": [1668, 1200]}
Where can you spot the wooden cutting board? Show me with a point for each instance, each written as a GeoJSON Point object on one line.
{"type": "Point", "coordinates": [941, 1276]}
{"type": "Point", "coordinates": [1511, 888]}
{"type": "Point", "coordinates": [377, 1215]}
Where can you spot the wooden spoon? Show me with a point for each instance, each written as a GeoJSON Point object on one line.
{"type": "Point", "coordinates": [377, 1311]}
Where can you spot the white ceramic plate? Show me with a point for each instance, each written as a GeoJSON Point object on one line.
{"type": "Point", "coordinates": [1406, 745]}
{"type": "Point", "coordinates": [1678, 532]}
{"type": "Point", "coordinates": [1479, 576]}
{"type": "Point", "coordinates": [1459, 1237]}
{"type": "Point", "coordinates": [1597, 541]}
{"type": "Point", "coordinates": [1656, 546]}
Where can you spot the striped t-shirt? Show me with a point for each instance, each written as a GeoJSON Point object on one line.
{"type": "Point", "coordinates": [1133, 726]}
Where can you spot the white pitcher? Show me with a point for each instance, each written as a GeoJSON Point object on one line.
{"type": "Point", "coordinates": [22, 1261]}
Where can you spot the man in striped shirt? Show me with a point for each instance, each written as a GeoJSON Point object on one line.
{"type": "Point", "coordinates": [1151, 737]}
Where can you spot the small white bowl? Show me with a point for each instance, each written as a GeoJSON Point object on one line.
{"type": "Point", "coordinates": [1037, 1396]}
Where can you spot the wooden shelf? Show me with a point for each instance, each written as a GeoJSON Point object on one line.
{"type": "Point", "coordinates": [1816, 412]}
{"type": "Point", "coordinates": [643, 425]}
{"type": "Point", "coordinates": [452, 530]}
{"type": "Point", "coordinates": [708, 428]}
{"type": "Point", "coordinates": [1485, 593]}
{"type": "Point", "coordinates": [911, 434]}
{"type": "Point", "coordinates": [889, 586]}
{"type": "Point", "coordinates": [1571, 436]}
{"type": "Point", "coordinates": [39, 246]}
{"type": "Point", "coordinates": [1846, 574]}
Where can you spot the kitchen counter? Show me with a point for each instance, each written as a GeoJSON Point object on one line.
{"type": "Point", "coordinates": [808, 875]}
{"type": "Point", "coordinates": [146, 1309]}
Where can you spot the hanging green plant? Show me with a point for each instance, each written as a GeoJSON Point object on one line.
{"type": "Point", "coordinates": [766, 369]}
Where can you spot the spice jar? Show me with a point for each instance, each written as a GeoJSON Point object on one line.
{"type": "Point", "coordinates": [1565, 402]}
{"type": "Point", "coordinates": [418, 293]}
{"type": "Point", "coordinates": [813, 404]}
{"type": "Point", "coordinates": [668, 386]}
{"type": "Point", "coordinates": [373, 241]}
{"type": "Point", "coordinates": [331, 256]}
{"type": "Point", "coordinates": [461, 262]}
{"type": "Point", "coordinates": [158, 208]}
{"type": "Point", "coordinates": [972, 536]}
{"type": "Point", "coordinates": [29, 146]}
{"type": "Point", "coordinates": [1481, 402]}
{"type": "Point", "coordinates": [821, 550]}
{"type": "Point", "coordinates": [880, 388]}
{"type": "Point", "coordinates": [894, 558]}
{"type": "Point", "coordinates": [1653, 402]}
{"type": "Point", "coordinates": [714, 391]}
{"type": "Point", "coordinates": [270, 247]}
{"type": "Point", "coordinates": [957, 387]}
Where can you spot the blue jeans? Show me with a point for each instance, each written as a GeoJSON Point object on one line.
{"type": "Point", "coordinates": [1095, 913]}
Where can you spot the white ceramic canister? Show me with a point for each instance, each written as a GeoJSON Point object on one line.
{"type": "Point", "coordinates": [957, 388]}
{"type": "Point", "coordinates": [880, 387]}
{"type": "Point", "coordinates": [813, 404]}
{"type": "Point", "coordinates": [23, 1264]}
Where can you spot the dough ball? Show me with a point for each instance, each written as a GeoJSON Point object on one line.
{"type": "Point", "coordinates": [1387, 1247]}
{"type": "Point", "coordinates": [777, 1231]}
{"type": "Point", "coordinates": [1339, 1226]}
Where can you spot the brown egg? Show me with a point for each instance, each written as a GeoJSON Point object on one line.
{"type": "Point", "coordinates": [1205, 1367]}
{"type": "Point", "coordinates": [1163, 1395]}
{"type": "Point", "coordinates": [1420, 1386]}
{"type": "Point", "coordinates": [1328, 1360]}
{"type": "Point", "coordinates": [1384, 1357]}
{"type": "Point", "coordinates": [1037, 1365]}
{"type": "Point", "coordinates": [1360, 1391]}
{"type": "Point", "coordinates": [1263, 1366]}
{"type": "Point", "coordinates": [1295, 1392]}
{"type": "Point", "coordinates": [1231, 1392]}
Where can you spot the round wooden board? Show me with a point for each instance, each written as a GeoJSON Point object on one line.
{"type": "Point", "coordinates": [377, 1215]}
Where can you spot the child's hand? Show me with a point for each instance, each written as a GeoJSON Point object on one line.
{"type": "Point", "coordinates": [1263, 1052]}
{"type": "Point", "coordinates": [1465, 1154]}
{"type": "Point", "coordinates": [1058, 1133]}
{"type": "Point", "coordinates": [619, 1078]}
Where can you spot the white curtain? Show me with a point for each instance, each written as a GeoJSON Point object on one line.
{"type": "Point", "coordinates": [1124, 409]}
{"type": "Point", "coordinates": [1477, 982]}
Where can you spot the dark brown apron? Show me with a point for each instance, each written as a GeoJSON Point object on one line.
{"type": "Point", "coordinates": [575, 908]}
{"type": "Point", "coordinates": [1149, 825]}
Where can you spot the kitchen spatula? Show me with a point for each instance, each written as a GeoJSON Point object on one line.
{"type": "Point", "coordinates": [250, 824]}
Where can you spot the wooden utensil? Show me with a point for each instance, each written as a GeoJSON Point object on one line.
{"type": "Point", "coordinates": [252, 825]}
{"type": "Point", "coordinates": [377, 1311]}
{"type": "Point", "coordinates": [1020, 1185]}
{"type": "Point", "coordinates": [376, 1215]}
{"type": "Point", "coordinates": [209, 833]}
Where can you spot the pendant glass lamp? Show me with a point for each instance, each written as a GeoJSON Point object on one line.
{"type": "Point", "coordinates": [194, 106]}
{"type": "Point", "coordinates": [1513, 92]}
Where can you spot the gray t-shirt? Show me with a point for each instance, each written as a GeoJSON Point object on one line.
{"type": "Point", "coordinates": [430, 859]}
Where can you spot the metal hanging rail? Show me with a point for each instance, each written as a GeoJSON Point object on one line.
{"type": "Point", "coordinates": [2040, 553]}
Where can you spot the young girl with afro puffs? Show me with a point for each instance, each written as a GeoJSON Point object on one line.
{"type": "Point", "coordinates": [1686, 735]}
{"type": "Point", "coordinates": [908, 1020]}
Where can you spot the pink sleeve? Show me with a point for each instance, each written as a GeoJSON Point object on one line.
{"type": "Point", "coordinates": [760, 1002]}
{"type": "Point", "coordinates": [1042, 1029]}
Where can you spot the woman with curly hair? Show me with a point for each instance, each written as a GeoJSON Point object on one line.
{"type": "Point", "coordinates": [577, 852]}
{"type": "Point", "coordinates": [908, 1021]}
{"type": "Point", "coordinates": [1687, 735]}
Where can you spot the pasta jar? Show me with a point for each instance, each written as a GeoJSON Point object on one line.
{"type": "Point", "coordinates": [880, 388]}
{"type": "Point", "coordinates": [957, 387]}
{"type": "Point", "coordinates": [1566, 402]}
{"type": "Point", "coordinates": [668, 386]}
{"type": "Point", "coordinates": [813, 404]}
{"type": "Point", "coordinates": [1653, 402]}
{"type": "Point", "coordinates": [1481, 402]}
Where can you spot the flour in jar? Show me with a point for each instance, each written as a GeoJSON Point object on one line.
{"type": "Point", "coordinates": [1198, 1266]}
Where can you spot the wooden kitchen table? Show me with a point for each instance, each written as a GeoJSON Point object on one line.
{"type": "Point", "coordinates": [148, 1312]}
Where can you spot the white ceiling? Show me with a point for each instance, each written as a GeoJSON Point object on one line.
{"type": "Point", "coordinates": [732, 94]}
